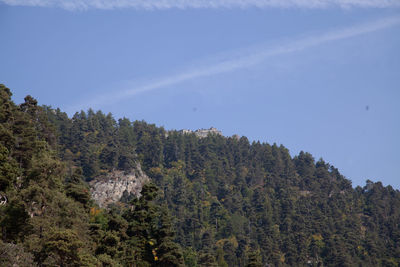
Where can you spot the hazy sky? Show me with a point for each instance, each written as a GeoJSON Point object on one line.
{"type": "Point", "coordinates": [313, 75]}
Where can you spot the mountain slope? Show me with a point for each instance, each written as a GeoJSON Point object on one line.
{"type": "Point", "coordinates": [230, 197]}
{"type": "Point", "coordinates": [224, 200]}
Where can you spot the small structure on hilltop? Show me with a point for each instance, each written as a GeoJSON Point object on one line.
{"type": "Point", "coordinates": [202, 132]}
{"type": "Point", "coordinates": [205, 132]}
{"type": "Point", "coordinates": [185, 131]}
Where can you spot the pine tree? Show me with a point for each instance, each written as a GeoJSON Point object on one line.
{"type": "Point", "coordinates": [254, 259]}
{"type": "Point", "coordinates": [168, 253]}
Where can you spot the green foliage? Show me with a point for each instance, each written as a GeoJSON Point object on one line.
{"type": "Point", "coordinates": [190, 257]}
{"type": "Point", "coordinates": [15, 221]}
{"type": "Point", "coordinates": [215, 201]}
{"type": "Point", "coordinates": [63, 247]}
{"type": "Point", "coordinates": [77, 189]}
{"type": "Point", "coordinates": [254, 259]}
{"type": "Point", "coordinates": [168, 253]}
{"type": "Point", "coordinates": [8, 169]}
{"type": "Point", "coordinates": [37, 218]}
{"type": "Point", "coordinates": [15, 255]}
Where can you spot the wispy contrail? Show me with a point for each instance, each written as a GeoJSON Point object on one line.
{"type": "Point", "coordinates": [246, 60]}
{"type": "Point", "coordinates": [191, 4]}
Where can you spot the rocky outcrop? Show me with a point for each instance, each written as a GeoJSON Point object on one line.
{"type": "Point", "coordinates": [111, 187]}
{"type": "Point", "coordinates": [3, 199]}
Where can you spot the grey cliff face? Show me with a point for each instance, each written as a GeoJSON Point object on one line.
{"type": "Point", "coordinates": [111, 187]}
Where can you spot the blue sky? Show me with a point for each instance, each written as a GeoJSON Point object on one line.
{"type": "Point", "coordinates": [298, 73]}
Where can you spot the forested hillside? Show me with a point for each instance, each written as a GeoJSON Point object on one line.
{"type": "Point", "coordinates": [214, 201]}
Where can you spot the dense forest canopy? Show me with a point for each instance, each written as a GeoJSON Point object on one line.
{"type": "Point", "coordinates": [214, 201]}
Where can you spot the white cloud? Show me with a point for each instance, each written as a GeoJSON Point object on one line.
{"type": "Point", "coordinates": [240, 61]}
{"type": "Point", "coordinates": [205, 4]}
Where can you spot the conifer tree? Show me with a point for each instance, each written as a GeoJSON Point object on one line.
{"type": "Point", "coordinates": [168, 253]}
